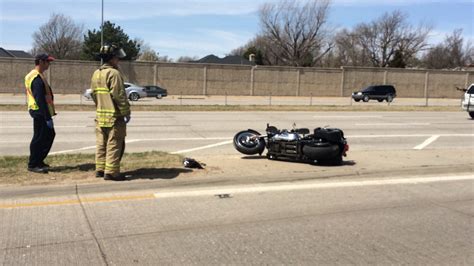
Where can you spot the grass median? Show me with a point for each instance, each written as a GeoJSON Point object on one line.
{"type": "Point", "coordinates": [67, 168]}
{"type": "Point", "coordinates": [248, 108]}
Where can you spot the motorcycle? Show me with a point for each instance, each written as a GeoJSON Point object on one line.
{"type": "Point", "coordinates": [324, 146]}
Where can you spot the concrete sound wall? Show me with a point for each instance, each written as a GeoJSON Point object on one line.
{"type": "Point", "coordinates": [12, 74]}
{"type": "Point", "coordinates": [73, 77]}
{"type": "Point", "coordinates": [180, 79]}
{"type": "Point", "coordinates": [274, 81]}
{"type": "Point", "coordinates": [320, 82]}
{"type": "Point", "coordinates": [230, 80]}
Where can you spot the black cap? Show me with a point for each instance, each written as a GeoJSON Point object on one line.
{"type": "Point", "coordinates": [44, 57]}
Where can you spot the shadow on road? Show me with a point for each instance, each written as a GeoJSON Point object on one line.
{"type": "Point", "coordinates": [70, 168]}
{"type": "Point", "coordinates": [254, 157]}
{"type": "Point", "coordinates": [257, 157]}
{"type": "Point", "coordinates": [155, 173]}
{"type": "Point", "coordinates": [349, 163]}
{"type": "Point", "coordinates": [142, 173]}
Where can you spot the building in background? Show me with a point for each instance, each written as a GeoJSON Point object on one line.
{"type": "Point", "coordinates": [14, 53]}
{"type": "Point", "coordinates": [228, 60]}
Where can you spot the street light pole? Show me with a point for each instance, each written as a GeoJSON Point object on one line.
{"type": "Point", "coordinates": [102, 31]}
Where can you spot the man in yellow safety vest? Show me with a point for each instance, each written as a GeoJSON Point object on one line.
{"type": "Point", "coordinates": [112, 113]}
{"type": "Point", "coordinates": [41, 108]}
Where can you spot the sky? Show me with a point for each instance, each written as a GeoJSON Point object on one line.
{"type": "Point", "coordinates": [197, 28]}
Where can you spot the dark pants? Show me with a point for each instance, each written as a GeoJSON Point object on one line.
{"type": "Point", "coordinates": [41, 142]}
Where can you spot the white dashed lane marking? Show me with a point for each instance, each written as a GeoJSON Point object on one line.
{"type": "Point", "coordinates": [426, 142]}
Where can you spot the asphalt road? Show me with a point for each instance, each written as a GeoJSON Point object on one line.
{"type": "Point", "coordinates": [190, 132]}
{"type": "Point", "coordinates": [378, 221]}
{"type": "Point", "coordinates": [404, 195]}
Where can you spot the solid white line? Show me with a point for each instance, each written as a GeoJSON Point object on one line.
{"type": "Point", "coordinates": [87, 148]}
{"type": "Point", "coordinates": [74, 150]}
{"type": "Point", "coordinates": [409, 136]}
{"type": "Point", "coordinates": [347, 136]}
{"type": "Point", "coordinates": [184, 139]}
{"type": "Point", "coordinates": [346, 116]}
{"type": "Point", "coordinates": [84, 126]}
{"type": "Point", "coordinates": [426, 142]}
{"type": "Point", "coordinates": [286, 186]}
{"type": "Point", "coordinates": [204, 147]}
{"type": "Point", "coordinates": [394, 124]}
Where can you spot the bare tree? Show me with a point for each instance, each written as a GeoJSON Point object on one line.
{"type": "Point", "coordinates": [186, 59]}
{"type": "Point", "coordinates": [258, 47]}
{"type": "Point", "coordinates": [147, 53]}
{"type": "Point", "coordinates": [386, 41]}
{"type": "Point", "coordinates": [436, 58]}
{"type": "Point", "coordinates": [413, 41]}
{"type": "Point", "coordinates": [60, 37]}
{"type": "Point", "coordinates": [452, 53]}
{"type": "Point", "coordinates": [347, 51]}
{"type": "Point", "coordinates": [294, 32]}
{"type": "Point", "coordinates": [165, 59]}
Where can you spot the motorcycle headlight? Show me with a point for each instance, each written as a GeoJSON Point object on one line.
{"type": "Point", "coordinates": [359, 93]}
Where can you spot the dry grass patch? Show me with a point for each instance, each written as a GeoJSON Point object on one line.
{"type": "Point", "coordinates": [68, 168]}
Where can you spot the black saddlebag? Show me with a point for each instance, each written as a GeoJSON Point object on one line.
{"type": "Point", "coordinates": [333, 135]}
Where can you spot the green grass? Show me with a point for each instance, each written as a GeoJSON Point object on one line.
{"type": "Point", "coordinates": [81, 168]}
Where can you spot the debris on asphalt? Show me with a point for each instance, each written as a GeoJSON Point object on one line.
{"type": "Point", "coordinates": [192, 163]}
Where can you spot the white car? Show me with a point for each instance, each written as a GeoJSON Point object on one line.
{"type": "Point", "coordinates": [467, 102]}
{"type": "Point", "coordinates": [134, 92]}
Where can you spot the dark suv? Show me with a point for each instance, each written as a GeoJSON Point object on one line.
{"type": "Point", "coordinates": [376, 92]}
{"type": "Point", "coordinates": [155, 91]}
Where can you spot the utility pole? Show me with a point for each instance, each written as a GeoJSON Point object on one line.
{"type": "Point", "coordinates": [102, 31]}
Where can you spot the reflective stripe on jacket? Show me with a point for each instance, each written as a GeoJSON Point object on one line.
{"type": "Point", "coordinates": [108, 93]}
{"type": "Point", "coordinates": [32, 105]}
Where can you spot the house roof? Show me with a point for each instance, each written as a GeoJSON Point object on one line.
{"type": "Point", "coordinates": [210, 59]}
{"type": "Point", "coordinates": [14, 53]}
{"type": "Point", "coordinates": [230, 60]}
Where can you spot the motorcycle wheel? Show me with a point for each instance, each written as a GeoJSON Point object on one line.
{"type": "Point", "coordinates": [247, 143]}
{"type": "Point", "coordinates": [323, 152]}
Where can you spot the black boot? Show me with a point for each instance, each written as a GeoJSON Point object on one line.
{"type": "Point", "coordinates": [119, 177]}
{"type": "Point", "coordinates": [37, 169]}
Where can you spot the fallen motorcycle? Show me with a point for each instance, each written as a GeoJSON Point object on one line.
{"type": "Point", "coordinates": [324, 146]}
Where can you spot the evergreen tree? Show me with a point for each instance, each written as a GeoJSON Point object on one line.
{"type": "Point", "coordinates": [112, 35]}
{"type": "Point", "coordinates": [258, 55]}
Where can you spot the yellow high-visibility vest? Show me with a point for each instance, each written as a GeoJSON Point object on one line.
{"type": "Point", "coordinates": [32, 105]}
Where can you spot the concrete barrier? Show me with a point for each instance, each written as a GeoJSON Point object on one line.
{"type": "Point", "coordinates": [71, 77]}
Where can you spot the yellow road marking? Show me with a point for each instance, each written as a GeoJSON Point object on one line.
{"type": "Point", "coordinates": [75, 201]}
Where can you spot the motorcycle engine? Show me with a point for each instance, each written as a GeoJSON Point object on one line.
{"type": "Point", "coordinates": [286, 136]}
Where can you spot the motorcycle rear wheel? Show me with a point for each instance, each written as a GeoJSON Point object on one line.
{"type": "Point", "coordinates": [248, 142]}
{"type": "Point", "coordinates": [324, 153]}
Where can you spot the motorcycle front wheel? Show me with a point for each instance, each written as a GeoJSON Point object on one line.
{"type": "Point", "coordinates": [248, 142]}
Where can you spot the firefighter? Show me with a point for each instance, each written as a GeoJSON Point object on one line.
{"type": "Point", "coordinates": [112, 113]}
{"type": "Point", "coordinates": [41, 108]}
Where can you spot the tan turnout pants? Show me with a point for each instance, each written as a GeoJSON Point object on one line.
{"type": "Point", "coordinates": [110, 145]}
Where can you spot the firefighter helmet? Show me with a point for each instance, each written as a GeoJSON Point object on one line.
{"type": "Point", "coordinates": [111, 50]}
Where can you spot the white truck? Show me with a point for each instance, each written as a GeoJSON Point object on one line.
{"type": "Point", "coordinates": [467, 103]}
